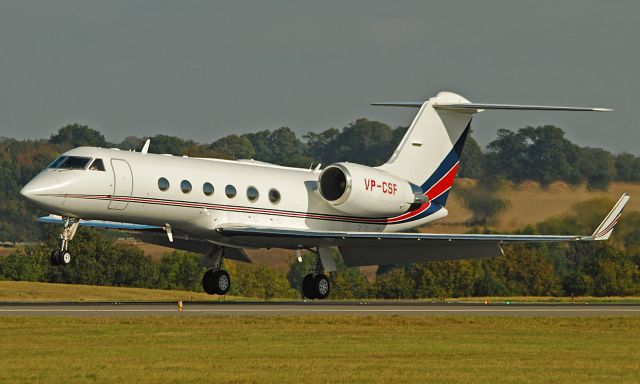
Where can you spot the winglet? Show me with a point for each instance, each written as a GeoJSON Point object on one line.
{"type": "Point", "coordinates": [606, 227]}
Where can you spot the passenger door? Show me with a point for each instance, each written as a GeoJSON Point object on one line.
{"type": "Point", "coordinates": [122, 184]}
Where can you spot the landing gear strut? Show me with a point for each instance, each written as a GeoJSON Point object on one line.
{"type": "Point", "coordinates": [216, 281]}
{"type": "Point", "coordinates": [316, 284]}
{"type": "Point", "coordinates": [62, 256]}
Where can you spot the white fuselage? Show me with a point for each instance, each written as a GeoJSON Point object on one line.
{"type": "Point", "coordinates": [128, 191]}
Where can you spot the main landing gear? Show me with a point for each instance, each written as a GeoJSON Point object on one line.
{"type": "Point", "coordinates": [216, 281]}
{"type": "Point", "coordinates": [316, 285]}
{"type": "Point", "coordinates": [62, 256]}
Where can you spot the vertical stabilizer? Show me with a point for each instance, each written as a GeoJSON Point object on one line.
{"type": "Point", "coordinates": [429, 153]}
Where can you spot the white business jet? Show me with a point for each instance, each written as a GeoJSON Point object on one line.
{"type": "Point", "coordinates": [218, 207]}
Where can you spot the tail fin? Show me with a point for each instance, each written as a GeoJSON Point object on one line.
{"type": "Point", "coordinates": [430, 151]}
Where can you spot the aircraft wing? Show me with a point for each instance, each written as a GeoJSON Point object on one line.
{"type": "Point", "coordinates": [370, 248]}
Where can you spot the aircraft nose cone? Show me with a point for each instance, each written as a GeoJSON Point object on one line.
{"type": "Point", "coordinates": [36, 191]}
{"type": "Point", "coordinates": [27, 191]}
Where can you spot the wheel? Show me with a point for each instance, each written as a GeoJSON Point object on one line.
{"type": "Point", "coordinates": [321, 286]}
{"type": "Point", "coordinates": [54, 257]}
{"type": "Point", "coordinates": [221, 282]}
{"type": "Point", "coordinates": [64, 258]}
{"type": "Point", "coordinates": [307, 287]}
{"type": "Point", "coordinates": [207, 280]}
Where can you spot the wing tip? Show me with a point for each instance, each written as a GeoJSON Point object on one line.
{"type": "Point", "coordinates": [604, 230]}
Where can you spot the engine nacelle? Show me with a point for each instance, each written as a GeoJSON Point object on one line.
{"type": "Point", "coordinates": [364, 191]}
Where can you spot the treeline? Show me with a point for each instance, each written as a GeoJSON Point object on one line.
{"type": "Point", "coordinates": [540, 154]}
{"type": "Point", "coordinates": [102, 261]}
{"type": "Point", "coordinates": [609, 268]}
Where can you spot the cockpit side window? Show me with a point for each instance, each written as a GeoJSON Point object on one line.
{"type": "Point", "coordinates": [97, 165]}
{"type": "Point", "coordinates": [70, 162]}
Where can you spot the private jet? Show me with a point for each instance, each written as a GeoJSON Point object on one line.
{"type": "Point", "coordinates": [221, 207]}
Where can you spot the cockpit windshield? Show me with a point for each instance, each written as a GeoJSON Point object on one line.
{"type": "Point", "coordinates": [70, 162]}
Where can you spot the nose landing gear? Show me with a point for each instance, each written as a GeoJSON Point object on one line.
{"type": "Point", "coordinates": [216, 281]}
{"type": "Point", "coordinates": [62, 256]}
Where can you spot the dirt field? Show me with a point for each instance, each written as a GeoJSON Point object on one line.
{"type": "Point", "coordinates": [530, 204]}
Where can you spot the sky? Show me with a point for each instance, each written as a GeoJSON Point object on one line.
{"type": "Point", "coordinates": [205, 69]}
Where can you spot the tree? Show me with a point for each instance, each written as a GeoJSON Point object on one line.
{"type": "Point", "coordinates": [363, 142]}
{"type": "Point", "coordinates": [395, 284]}
{"type": "Point", "coordinates": [507, 156]}
{"type": "Point", "coordinates": [597, 166]}
{"type": "Point", "coordinates": [318, 144]}
{"type": "Point", "coordinates": [627, 167]}
{"type": "Point", "coordinates": [483, 200]}
{"type": "Point", "coordinates": [279, 147]}
{"type": "Point", "coordinates": [76, 135]}
{"type": "Point", "coordinates": [132, 143]}
{"type": "Point", "coordinates": [234, 146]}
{"type": "Point", "coordinates": [541, 154]}
{"type": "Point", "coordinates": [168, 144]}
{"type": "Point", "coordinates": [472, 160]}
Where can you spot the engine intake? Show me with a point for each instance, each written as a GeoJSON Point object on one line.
{"type": "Point", "coordinates": [335, 183]}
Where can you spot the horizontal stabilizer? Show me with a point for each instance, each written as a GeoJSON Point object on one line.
{"type": "Point", "coordinates": [478, 107]}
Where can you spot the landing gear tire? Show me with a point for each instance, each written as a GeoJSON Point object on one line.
{"type": "Point", "coordinates": [60, 258]}
{"type": "Point", "coordinates": [64, 258]}
{"type": "Point", "coordinates": [316, 286]}
{"type": "Point", "coordinates": [54, 257]}
{"type": "Point", "coordinates": [206, 282]}
{"type": "Point", "coordinates": [307, 286]}
{"type": "Point", "coordinates": [221, 282]}
{"type": "Point", "coordinates": [321, 286]}
{"type": "Point", "coordinates": [216, 282]}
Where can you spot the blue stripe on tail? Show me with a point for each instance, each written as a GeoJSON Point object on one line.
{"type": "Point", "coordinates": [445, 166]}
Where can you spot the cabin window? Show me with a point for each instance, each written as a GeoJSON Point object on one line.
{"type": "Point", "coordinates": [274, 196]}
{"type": "Point", "coordinates": [207, 188]}
{"type": "Point", "coordinates": [97, 165]}
{"type": "Point", "coordinates": [230, 191]}
{"type": "Point", "coordinates": [185, 186]}
{"type": "Point", "coordinates": [70, 162]}
{"type": "Point", "coordinates": [163, 184]}
{"type": "Point", "coordinates": [252, 194]}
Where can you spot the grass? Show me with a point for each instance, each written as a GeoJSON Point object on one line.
{"type": "Point", "coordinates": [25, 291]}
{"type": "Point", "coordinates": [548, 300]}
{"type": "Point", "coordinates": [327, 349]}
{"type": "Point", "coordinates": [35, 292]}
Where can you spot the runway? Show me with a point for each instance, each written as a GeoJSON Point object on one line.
{"type": "Point", "coordinates": [316, 308]}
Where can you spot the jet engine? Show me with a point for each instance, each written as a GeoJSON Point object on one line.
{"type": "Point", "coordinates": [364, 191]}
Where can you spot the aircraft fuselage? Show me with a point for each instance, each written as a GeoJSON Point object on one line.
{"type": "Point", "coordinates": [129, 190]}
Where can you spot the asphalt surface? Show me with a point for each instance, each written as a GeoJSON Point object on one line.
{"type": "Point", "coordinates": [315, 308]}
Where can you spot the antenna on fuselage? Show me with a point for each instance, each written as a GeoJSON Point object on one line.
{"type": "Point", "coordinates": [145, 147]}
